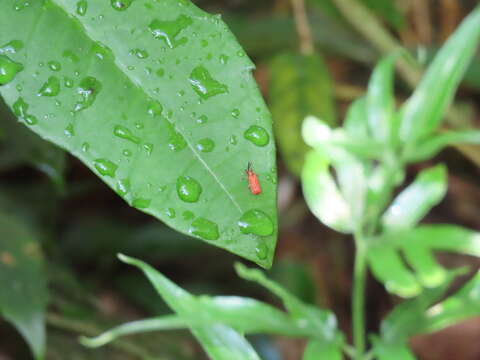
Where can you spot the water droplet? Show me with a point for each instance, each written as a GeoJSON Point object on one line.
{"type": "Point", "coordinates": [240, 53]}
{"type": "Point", "coordinates": [85, 146]}
{"type": "Point", "coordinates": [121, 5]}
{"type": "Point", "coordinates": [124, 133]}
{"type": "Point", "coordinates": [68, 82]}
{"type": "Point", "coordinates": [21, 4]}
{"type": "Point", "coordinates": [82, 7]}
{"type": "Point", "coordinates": [202, 119]}
{"type": "Point", "coordinates": [176, 141]}
{"type": "Point", "coordinates": [154, 108]}
{"type": "Point", "coordinates": [19, 87]}
{"type": "Point", "coordinates": [233, 140]}
{"type": "Point", "coordinates": [188, 215]}
{"type": "Point", "coordinates": [204, 84]}
{"type": "Point", "coordinates": [105, 167]}
{"type": "Point", "coordinates": [235, 113]}
{"type": "Point", "coordinates": [20, 108]}
{"type": "Point", "coordinates": [171, 213]}
{"type": "Point", "coordinates": [54, 65]}
{"type": "Point", "coordinates": [69, 130]}
{"type": "Point", "coordinates": [148, 148]}
{"type": "Point", "coordinates": [224, 59]}
{"type": "Point", "coordinates": [204, 228]}
{"type": "Point", "coordinates": [31, 120]}
{"type": "Point", "coordinates": [70, 55]}
{"type": "Point", "coordinates": [160, 72]}
{"type": "Point", "coordinates": [262, 250]}
{"type": "Point", "coordinates": [88, 89]}
{"type": "Point", "coordinates": [12, 47]}
{"type": "Point", "coordinates": [127, 152]}
{"type": "Point", "coordinates": [206, 145]}
{"type": "Point", "coordinates": [141, 203]}
{"type": "Point", "coordinates": [168, 31]}
{"type": "Point", "coordinates": [256, 222]}
{"type": "Point", "coordinates": [8, 69]}
{"type": "Point", "coordinates": [123, 187]}
{"type": "Point", "coordinates": [188, 189]}
{"type": "Point", "coordinates": [257, 135]}
{"type": "Point", "coordinates": [141, 54]}
{"type": "Point", "coordinates": [50, 88]}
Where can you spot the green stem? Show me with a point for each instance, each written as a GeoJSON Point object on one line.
{"type": "Point", "coordinates": [358, 301]}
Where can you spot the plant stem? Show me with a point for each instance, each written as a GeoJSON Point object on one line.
{"type": "Point", "coordinates": [358, 301]}
{"type": "Point", "coordinates": [303, 27]}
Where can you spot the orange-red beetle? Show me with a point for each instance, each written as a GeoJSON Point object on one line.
{"type": "Point", "coordinates": [253, 182]}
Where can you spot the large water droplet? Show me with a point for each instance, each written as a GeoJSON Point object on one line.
{"type": "Point", "coordinates": [125, 133]}
{"type": "Point", "coordinates": [106, 167]}
{"type": "Point", "coordinates": [206, 145]}
{"type": "Point", "coordinates": [256, 222]}
{"type": "Point", "coordinates": [50, 88]}
{"type": "Point", "coordinates": [12, 47]}
{"type": "Point", "coordinates": [121, 5]}
{"type": "Point", "coordinates": [257, 135]}
{"type": "Point", "coordinates": [88, 89]}
{"type": "Point", "coordinates": [188, 189]}
{"type": "Point", "coordinates": [204, 228]}
{"type": "Point", "coordinates": [8, 69]}
{"type": "Point", "coordinates": [169, 30]}
{"type": "Point", "coordinates": [82, 7]}
{"type": "Point", "coordinates": [176, 142]}
{"type": "Point", "coordinates": [204, 84]}
{"type": "Point", "coordinates": [262, 250]}
{"type": "Point", "coordinates": [141, 203]}
{"type": "Point", "coordinates": [123, 187]}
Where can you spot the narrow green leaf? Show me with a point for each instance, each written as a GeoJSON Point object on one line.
{"type": "Point", "coordinates": [318, 350]}
{"type": "Point", "coordinates": [322, 194]}
{"type": "Point", "coordinates": [158, 100]}
{"type": "Point", "coordinates": [356, 120]}
{"type": "Point", "coordinates": [415, 201]}
{"type": "Point", "coordinates": [431, 146]}
{"type": "Point", "coordinates": [300, 86]}
{"type": "Point", "coordinates": [423, 112]}
{"type": "Point", "coordinates": [391, 351]}
{"type": "Point", "coordinates": [23, 298]}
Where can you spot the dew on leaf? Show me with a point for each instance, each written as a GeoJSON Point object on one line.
{"type": "Point", "coordinates": [168, 31]}
{"type": "Point", "coordinates": [12, 47]}
{"type": "Point", "coordinates": [171, 213]}
{"type": "Point", "coordinates": [21, 4]}
{"type": "Point", "coordinates": [69, 130]}
{"type": "Point", "coordinates": [188, 215]}
{"type": "Point", "coordinates": [85, 146]}
{"type": "Point", "coordinates": [154, 108]}
{"type": "Point", "coordinates": [160, 72]}
{"type": "Point", "coordinates": [71, 56]}
{"type": "Point", "coordinates": [188, 189]}
{"type": "Point", "coordinates": [20, 108]}
{"type": "Point", "coordinates": [31, 119]}
{"type": "Point", "coordinates": [127, 152]}
{"type": "Point", "coordinates": [121, 5]}
{"type": "Point", "coordinates": [82, 7]}
{"type": "Point", "coordinates": [50, 88]}
{"type": "Point", "coordinates": [141, 54]}
{"type": "Point", "coordinates": [148, 148]}
{"type": "Point", "coordinates": [176, 142]}
{"type": "Point", "coordinates": [224, 59]}
{"type": "Point", "coordinates": [204, 84]}
{"type": "Point", "coordinates": [8, 69]}
{"type": "Point", "coordinates": [204, 228]}
{"type": "Point", "coordinates": [262, 250]}
{"type": "Point", "coordinates": [235, 113]}
{"type": "Point", "coordinates": [202, 119]}
{"type": "Point", "coordinates": [206, 145]}
{"type": "Point", "coordinates": [54, 65]}
{"type": "Point", "coordinates": [256, 222]}
{"type": "Point", "coordinates": [105, 167]}
{"type": "Point", "coordinates": [257, 135]}
{"type": "Point", "coordinates": [141, 203]}
{"type": "Point", "coordinates": [125, 133]}
{"type": "Point", "coordinates": [88, 89]}
{"type": "Point", "coordinates": [123, 187]}
{"type": "Point", "coordinates": [68, 82]}
{"type": "Point", "coordinates": [233, 140]}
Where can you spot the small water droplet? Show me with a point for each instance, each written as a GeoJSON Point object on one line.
{"type": "Point", "coordinates": [8, 69]}
{"type": "Point", "coordinates": [262, 250]}
{"type": "Point", "coordinates": [188, 215]}
{"type": "Point", "coordinates": [82, 7]}
{"type": "Point", "coordinates": [176, 142]}
{"type": "Point", "coordinates": [127, 152]}
{"type": "Point", "coordinates": [31, 120]}
{"type": "Point", "coordinates": [141, 203]}
{"type": "Point", "coordinates": [88, 89]}
{"type": "Point", "coordinates": [235, 113]}
{"type": "Point", "coordinates": [233, 140]}
{"type": "Point", "coordinates": [204, 84]}
{"type": "Point", "coordinates": [54, 65]}
{"type": "Point", "coordinates": [121, 5]}
{"type": "Point", "coordinates": [205, 229]}
{"type": "Point", "coordinates": [141, 54]}
{"type": "Point", "coordinates": [21, 4]}
{"type": "Point", "coordinates": [148, 148]}
{"type": "Point", "coordinates": [256, 222]}
{"type": "Point", "coordinates": [105, 167]}
{"type": "Point", "coordinates": [123, 187]}
{"type": "Point", "coordinates": [19, 87]}
{"type": "Point", "coordinates": [154, 108]}
{"type": "Point", "coordinates": [12, 47]}
{"type": "Point", "coordinates": [68, 82]}
{"type": "Point", "coordinates": [171, 213]}
{"type": "Point", "coordinates": [69, 130]}
{"type": "Point", "coordinates": [188, 189]}
{"type": "Point", "coordinates": [20, 108]}
{"type": "Point", "coordinates": [85, 146]}
{"type": "Point", "coordinates": [224, 59]}
{"type": "Point", "coordinates": [240, 53]}
{"type": "Point", "coordinates": [168, 31]}
{"type": "Point", "coordinates": [202, 119]}
{"type": "Point", "coordinates": [206, 145]}
{"type": "Point", "coordinates": [160, 72]}
{"type": "Point", "coordinates": [50, 88]}
{"type": "Point", "coordinates": [257, 135]}
{"type": "Point", "coordinates": [125, 133]}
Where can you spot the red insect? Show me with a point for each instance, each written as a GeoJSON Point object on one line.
{"type": "Point", "coordinates": [253, 182]}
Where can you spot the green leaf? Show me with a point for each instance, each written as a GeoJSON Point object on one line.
{"type": "Point", "coordinates": [219, 341]}
{"type": "Point", "coordinates": [431, 146]}
{"type": "Point", "coordinates": [322, 194]}
{"type": "Point", "coordinates": [158, 100]}
{"type": "Point", "coordinates": [417, 245]}
{"type": "Point", "coordinates": [23, 298]}
{"type": "Point", "coordinates": [318, 350]}
{"type": "Point", "coordinates": [391, 351]}
{"type": "Point", "coordinates": [300, 86]}
{"type": "Point", "coordinates": [424, 110]}
{"type": "Point", "coordinates": [415, 201]}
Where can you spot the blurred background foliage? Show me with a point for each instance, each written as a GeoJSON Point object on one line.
{"type": "Point", "coordinates": [80, 224]}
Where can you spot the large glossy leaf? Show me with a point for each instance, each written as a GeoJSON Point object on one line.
{"type": "Point", "coordinates": [23, 297]}
{"type": "Point", "coordinates": [300, 86]}
{"type": "Point", "coordinates": [423, 112]}
{"type": "Point", "coordinates": [158, 100]}
{"type": "Point", "coordinates": [417, 246]}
